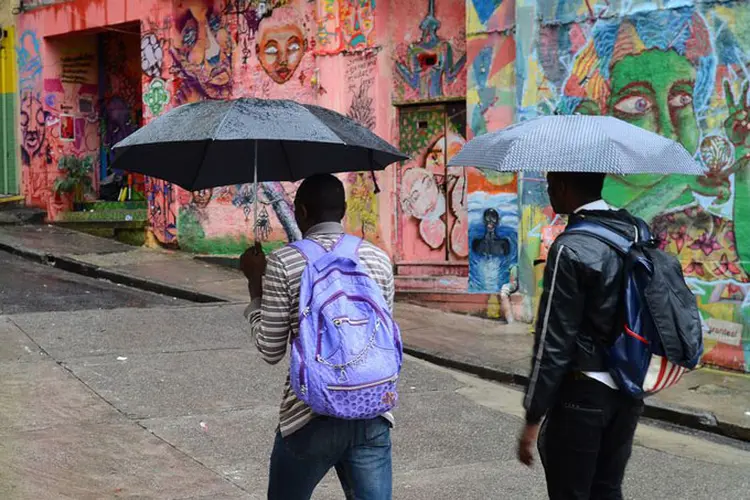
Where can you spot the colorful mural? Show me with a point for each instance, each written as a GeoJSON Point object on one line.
{"type": "Point", "coordinates": [362, 195]}
{"type": "Point", "coordinates": [490, 103]}
{"type": "Point", "coordinates": [493, 230]}
{"type": "Point", "coordinates": [430, 66]}
{"type": "Point", "coordinates": [274, 60]}
{"type": "Point", "coordinates": [680, 72]}
{"type": "Point", "coordinates": [58, 114]}
{"type": "Point", "coordinates": [345, 26]}
{"type": "Point", "coordinates": [432, 197]}
{"type": "Point", "coordinates": [158, 84]}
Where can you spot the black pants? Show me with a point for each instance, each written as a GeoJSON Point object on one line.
{"type": "Point", "coordinates": [586, 440]}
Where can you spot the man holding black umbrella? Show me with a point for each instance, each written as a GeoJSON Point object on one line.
{"type": "Point", "coordinates": [588, 431]}
{"type": "Point", "coordinates": [307, 445]}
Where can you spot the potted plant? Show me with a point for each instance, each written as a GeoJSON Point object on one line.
{"type": "Point", "coordinates": [77, 180]}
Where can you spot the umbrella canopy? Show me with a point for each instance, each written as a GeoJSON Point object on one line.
{"type": "Point", "coordinates": [217, 143]}
{"type": "Point", "coordinates": [576, 143]}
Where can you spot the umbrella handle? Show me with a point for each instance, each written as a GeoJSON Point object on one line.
{"type": "Point", "coordinates": [255, 188]}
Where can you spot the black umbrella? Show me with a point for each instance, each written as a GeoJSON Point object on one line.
{"type": "Point", "coordinates": [217, 143]}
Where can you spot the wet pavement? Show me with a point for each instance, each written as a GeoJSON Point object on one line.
{"type": "Point", "coordinates": [30, 287]}
{"type": "Point", "coordinates": [175, 403]}
{"type": "Point", "coordinates": [706, 399]}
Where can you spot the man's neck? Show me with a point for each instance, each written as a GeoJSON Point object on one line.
{"type": "Point", "coordinates": [328, 227]}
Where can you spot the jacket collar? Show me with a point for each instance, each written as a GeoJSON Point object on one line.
{"type": "Point", "coordinates": [593, 206]}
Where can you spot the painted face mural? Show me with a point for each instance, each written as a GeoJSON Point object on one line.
{"type": "Point", "coordinates": [33, 127]}
{"type": "Point", "coordinates": [203, 50]}
{"type": "Point", "coordinates": [677, 72]}
{"type": "Point", "coordinates": [644, 77]}
{"type": "Point", "coordinates": [281, 44]}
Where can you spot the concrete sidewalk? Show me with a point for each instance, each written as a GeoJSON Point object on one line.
{"type": "Point", "coordinates": [706, 399]}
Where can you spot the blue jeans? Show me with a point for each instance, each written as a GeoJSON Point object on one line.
{"type": "Point", "coordinates": [360, 450]}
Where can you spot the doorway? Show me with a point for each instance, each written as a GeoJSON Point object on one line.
{"type": "Point", "coordinates": [431, 213]}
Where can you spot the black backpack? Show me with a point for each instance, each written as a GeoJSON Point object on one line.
{"type": "Point", "coordinates": [661, 336]}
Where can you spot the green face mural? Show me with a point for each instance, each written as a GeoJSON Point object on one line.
{"type": "Point", "coordinates": [669, 71]}
{"type": "Point", "coordinates": [653, 90]}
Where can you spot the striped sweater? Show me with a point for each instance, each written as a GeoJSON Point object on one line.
{"type": "Point", "coordinates": [274, 318]}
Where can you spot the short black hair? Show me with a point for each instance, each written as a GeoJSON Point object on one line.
{"type": "Point", "coordinates": [587, 185]}
{"type": "Point", "coordinates": [323, 197]}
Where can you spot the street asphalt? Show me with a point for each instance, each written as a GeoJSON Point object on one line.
{"type": "Point", "coordinates": [30, 287]}
{"type": "Point", "coordinates": [134, 395]}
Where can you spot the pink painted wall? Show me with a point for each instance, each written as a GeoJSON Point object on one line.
{"type": "Point", "coordinates": [58, 85]}
{"type": "Point", "coordinates": [425, 68]}
{"type": "Point", "coordinates": [325, 52]}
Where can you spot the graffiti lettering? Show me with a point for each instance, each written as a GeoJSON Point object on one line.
{"type": "Point", "coordinates": [360, 77]}
{"type": "Point", "coordinates": [152, 55]}
{"type": "Point", "coordinates": [29, 60]}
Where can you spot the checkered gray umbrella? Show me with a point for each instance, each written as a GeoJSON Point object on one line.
{"type": "Point", "coordinates": [576, 143]}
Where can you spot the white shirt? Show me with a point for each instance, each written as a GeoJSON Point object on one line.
{"type": "Point", "coordinates": [603, 377]}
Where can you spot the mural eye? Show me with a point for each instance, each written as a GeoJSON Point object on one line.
{"type": "Point", "coordinates": [634, 105]}
{"type": "Point", "coordinates": [24, 118]}
{"type": "Point", "coordinates": [294, 46]}
{"type": "Point", "coordinates": [271, 50]}
{"type": "Point", "coordinates": [189, 36]}
{"type": "Point", "coordinates": [214, 22]}
{"type": "Point", "coordinates": [41, 118]}
{"type": "Point", "coordinates": [680, 100]}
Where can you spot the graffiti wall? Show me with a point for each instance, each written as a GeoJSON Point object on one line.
{"type": "Point", "coordinates": [430, 55]}
{"type": "Point", "coordinates": [322, 52]}
{"type": "Point", "coordinates": [432, 210]}
{"type": "Point", "coordinates": [58, 112]}
{"type": "Point", "coordinates": [490, 103]}
{"type": "Point", "coordinates": [311, 52]}
{"type": "Point", "coordinates": [680, 72]}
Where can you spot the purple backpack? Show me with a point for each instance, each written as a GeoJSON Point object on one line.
{"type": "Point", "coordinates": [347, 357]}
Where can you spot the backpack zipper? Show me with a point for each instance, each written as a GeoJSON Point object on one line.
{"type": "Point", "coordinates": [302, 385]}
{"type": "Point", "coordinates": [353, 297]}
{"type": "Point", "coordinates": [367, 385]}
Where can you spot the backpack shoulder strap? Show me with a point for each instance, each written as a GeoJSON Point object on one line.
{"type": "Point", "coordinates": [348, 246]}
{"type": "Point", "coordinates": [602, 233]}
{"type": "Point", "coordinates": [310, 250]}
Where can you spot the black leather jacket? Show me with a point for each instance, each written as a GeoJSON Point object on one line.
{"type": "Point", "coordinates": [579, 311]}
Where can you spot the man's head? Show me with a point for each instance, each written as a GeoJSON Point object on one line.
{"type": "Point", "coordinates": [320, 198]}
{"type": "Point", "coordinates": [570, 190]}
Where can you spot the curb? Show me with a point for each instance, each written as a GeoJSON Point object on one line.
{"type": "Point", "coordinates": [92, 271]}
{"type": "Point", "coordinates": [679, 415]}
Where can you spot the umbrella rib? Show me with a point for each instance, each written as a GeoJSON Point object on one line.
{"type": "Point", "coordinates": [203, 160]}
